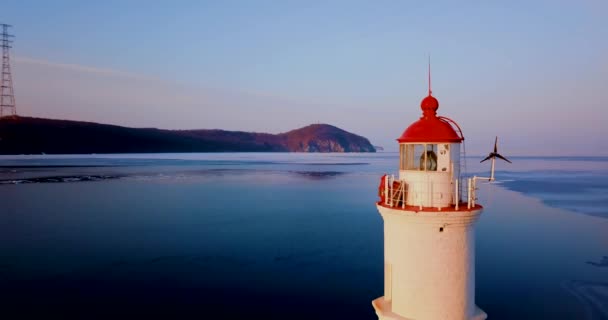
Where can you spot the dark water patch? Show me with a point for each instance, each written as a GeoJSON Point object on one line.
{"type": "Point", "coordinates": [601, 263]}
{"type": "Point", "coordinates": [61, 179]}
{"type": "Point", "coordinates": [335, 163]}
{"type": "Point", "coordinates": [318, 175]}
{"type": "Point", "coordinates": [42, 177]}
{"type": "Point", "coordinates": [58, 166]}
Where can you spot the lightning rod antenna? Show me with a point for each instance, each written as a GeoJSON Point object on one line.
{"type": "Point", "coordinates": [430, 91]}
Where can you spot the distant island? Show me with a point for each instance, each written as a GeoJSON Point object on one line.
{"type": "Point", "coordinates": [25, 135]}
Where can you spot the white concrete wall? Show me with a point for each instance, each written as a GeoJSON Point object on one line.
{"type": "Point", "coordinates": [432, 272]}
{"type": "Point", "coordinates": [428, 188]}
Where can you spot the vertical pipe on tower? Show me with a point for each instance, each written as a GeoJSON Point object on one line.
{"type": "Point", "coordinates": [386, 190]}
{"type": "Point", "coordinates": [456, 196]}
{"type": "Point", "coordinates": [403, 196]}
{"type": "Point", "coordinates": [469, 193]}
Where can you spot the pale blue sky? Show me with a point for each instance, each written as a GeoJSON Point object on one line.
{"type": "Point", "coordinates": [534, 73]}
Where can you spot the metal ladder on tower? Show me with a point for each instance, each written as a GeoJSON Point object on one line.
{"type": "Point", "coordinates": [463, 167]}
{"type": "Point", "coordinates": [463, 155]}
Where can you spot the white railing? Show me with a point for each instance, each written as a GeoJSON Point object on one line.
{"type": "Point", "coordinates": [472, 190]}
{"type": "Point", "coordinates": [395, 197]}
{"type": "Point", "coordinates": [389, 196]}
{"type": "Point", "coordinates": [398, 197]}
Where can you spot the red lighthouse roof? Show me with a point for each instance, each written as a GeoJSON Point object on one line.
{"type": "Point", "coordinates": [430, 127]}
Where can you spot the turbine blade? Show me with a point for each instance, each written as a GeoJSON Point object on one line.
{"type": "Point", "coordinates": [487, 158]}
{"type": "Point", "coordinates": [503, 158]}
{"type": "Point", "coordinates": [496, 145]}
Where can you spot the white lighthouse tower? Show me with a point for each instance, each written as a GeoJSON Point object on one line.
{"type": "Point", "coordinates": [429, 214]}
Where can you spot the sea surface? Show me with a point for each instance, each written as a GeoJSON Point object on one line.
{"type": "Point", "coordinates": [278, 236]}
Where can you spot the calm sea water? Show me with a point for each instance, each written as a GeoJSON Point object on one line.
{"type": "Point", "coordinates": [278, 236]}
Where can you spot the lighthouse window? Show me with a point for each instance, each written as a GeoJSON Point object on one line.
{"type": "Point", "coordinates": [402, 156]}
{"type": "Point", "coordinates": [428, 160]}
{"type": "Point", "coordinates": [409, 154]}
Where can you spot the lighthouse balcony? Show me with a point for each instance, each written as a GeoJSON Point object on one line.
{"type": "Point", "coordinates": [428, 195]}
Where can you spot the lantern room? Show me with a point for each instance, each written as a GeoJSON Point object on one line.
{"type": "Point", "coordinates": [429, 158]}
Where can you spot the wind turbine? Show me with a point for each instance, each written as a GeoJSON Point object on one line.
{"type": "Point", "coordinates": [493, 156]}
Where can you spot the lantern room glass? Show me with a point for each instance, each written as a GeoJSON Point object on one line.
{"type": "Point", "coordinates": [418, 157]}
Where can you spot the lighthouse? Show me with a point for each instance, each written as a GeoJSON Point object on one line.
{"type": "Point", "coordinates": [429, 212]}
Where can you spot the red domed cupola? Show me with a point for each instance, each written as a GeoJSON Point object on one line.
{"type": "Point", "coordinates": [430, 128]}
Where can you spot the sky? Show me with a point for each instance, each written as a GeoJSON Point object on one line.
{"type": "Point", "coordinates": [534, 73]}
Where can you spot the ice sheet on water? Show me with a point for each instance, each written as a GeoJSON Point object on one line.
{"type": "Point", "coordinates": [585, 192]}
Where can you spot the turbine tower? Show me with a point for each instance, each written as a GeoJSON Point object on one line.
{"type": "Point", "coordinates": [493, 156]}
{"type": "Point", "coordinates": [7, 95]}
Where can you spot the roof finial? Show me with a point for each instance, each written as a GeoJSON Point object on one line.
{"type": "Point", "coordinates": [429, 104]}
{"type": "Point", "coordinates": [430, 91]}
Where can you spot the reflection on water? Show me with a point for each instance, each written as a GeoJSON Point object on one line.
{"type": "Point", "coordinates": [274, 236]}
